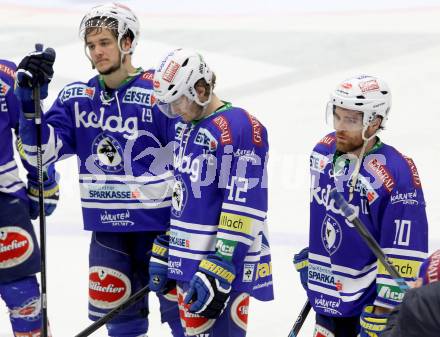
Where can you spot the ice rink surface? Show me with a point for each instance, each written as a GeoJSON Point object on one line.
{"type": "Point", "coordinates": [277, 59]}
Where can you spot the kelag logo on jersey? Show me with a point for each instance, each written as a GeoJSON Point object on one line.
{"type": "Point", "coordinates": [137, 95]}
{"type": "Point", "coordinates": [206, 139]}
{"type": "Point", "coordinates": [76, 91]}
{"type": "Point", "coordinates": [108, 153]}
{"type": "Point", "coordinates": [179, 196]}
{"type": "Point", "coordinates": [331, 234]}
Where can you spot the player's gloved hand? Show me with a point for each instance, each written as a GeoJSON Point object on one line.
{"type": "Point", "coordinates": [210, 287]}
{"type": "Point", "coordinates": [372, 325]}
{"type": "Point", "coordinates": [34, 69]}
{"type": "Point", "coordinates": [301, 262]}
{"type": "Point", "coordinates": [51, 193]}
{"type": "Point", "coordinates": [158, 267]}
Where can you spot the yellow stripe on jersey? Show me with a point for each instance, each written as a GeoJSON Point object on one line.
{"type": "Point", "coordinates": [235, 223]}
{"type": "Point", "coordinates": [406, 268]}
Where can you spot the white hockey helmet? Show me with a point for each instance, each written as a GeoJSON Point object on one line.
{"type": "Point", "coordinates": [367, 94]}
{"type": "Point", "coordinates": [112, 16]}
{"type": "Point", "coordinates": [176, 77]}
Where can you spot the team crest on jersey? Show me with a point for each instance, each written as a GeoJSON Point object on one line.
{"type": "Point", "coordinates": [4, 88]}
{"type": "Point", "coordinates": [179, 196]}
{"type": "Point", "coordinates": [331, 234]}
{"type": "Point", "coordinates": [16, 246]}
{"type": "Point", "coordinates": [107, 287]}
{"type": "Point", "coordinates": [206, 139]}
{"type": "Point", "coordinates": [77, 91]}
{"type": "Point", "coordinates": [108, 153]}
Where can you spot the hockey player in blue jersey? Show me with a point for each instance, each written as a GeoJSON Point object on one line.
{"type": "Point", "coordinates": [217, 250]}
{"type": "Point", "coordinates": [349, 290]}
{"type": "Point", "coordinates": [107, 122]}
{"type": "Point", "coordinates": [19, 250]}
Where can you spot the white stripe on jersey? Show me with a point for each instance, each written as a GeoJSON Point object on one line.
{"type": "Point", "coordinates": [134, 205]}
{"type": "Point", "coordinates": [244, 209]}
{"type": "Point", "coordinates": [201, 242]}
{"type": "Point", "coordinates": [123, 178]}
{"type": "Point", "coordinates": [7, 166]}
{"type": "Point", "coordinates": [405, 252]}
{"type": "Point", "coordinates": [156, 191]}
{"type": "Point", "coordinates": [334, 293]}
{"type": "Point", "coordinates": [193, 226]}
{"type": "Point", "coordinates": [187, 255]}
{"type": "Point", "coordinates": [232, 237]}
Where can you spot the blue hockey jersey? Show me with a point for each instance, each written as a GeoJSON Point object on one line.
{"type": "Point", "coordinates": [118, 138]}
{"type": "Point", "coordinates": [10, 183]}
{"type": "Point", "coordinates": [344, 274]}
{"type": "Point", "coordinates": [219, 199]}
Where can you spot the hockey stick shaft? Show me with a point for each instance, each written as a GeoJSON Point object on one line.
{"type": "Point", "coordinates": [42, 216]}
{"type": "Point", "coordinates": [300, 320]}
{"type": "Point", "coordinates": [107, 317]}
{"type": "Point", "coordinates": [349, 213]}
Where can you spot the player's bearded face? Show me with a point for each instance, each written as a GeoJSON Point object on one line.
{"type": "Point", "coordinates": [104, 52]}
{"type": "Point", "coordinates": [348, 126]}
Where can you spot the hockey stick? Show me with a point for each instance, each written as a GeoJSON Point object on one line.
{"type": "Point", "coordinates": [42, 216]}
{"type": "Point", "coordinates": [300, 320]}
{"type": "Point", "coordinates": [348, 212]}
{"type": "Point", "coordinates": [107, 317]}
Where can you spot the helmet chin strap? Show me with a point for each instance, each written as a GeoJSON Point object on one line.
{"type": "Point", "coordinates": [357, 168]}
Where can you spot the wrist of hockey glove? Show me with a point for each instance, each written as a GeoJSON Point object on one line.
{"type": "Point", "coordinates": [301, 262]}
{"type": "Point", "coordinates": [372, 325]}
{"type": "Point", "coordinates": [210, 287]}
{"type": "Point", "coordinates": [158, 266]}
{"type": "Point", "coordinates": [51, 193]}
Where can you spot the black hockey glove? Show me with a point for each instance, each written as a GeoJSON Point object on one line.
{"type": "Point", "coordinates": [36, 68]}
{"type": "Point", "coordinates": [210, 287]}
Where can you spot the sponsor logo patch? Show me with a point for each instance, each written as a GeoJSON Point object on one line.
{"type": "Point", "coordinates": [138, 95]}
{"type": "Point", "coordinates": [407, 198]}
{"type": "Point", "coordinates": [235, 223]}
{"type": "Point", "coordinates": [390, 292]}
{"type": "Point", "coordinates": [415, 174]}
{"type": "Point", "coordinates": [406, 268]}
{"type": "Point", "coordinates": [8, 71]}
{"type": "Point", "coordinates": [193, 323]}
{"type": "Point", "coordinates": [256, 130]}
{"type": "Point", "coordinates": [118, 219]}
{"type": "Point", "coordinates": [148, 76]}
{"type": "Point", "coordinates": [328, 306]}
{"type": "Point", "coordinates": [205, 139]}
{"type": "Point", "coordinates": [76, 91]}
{"type": "Point", "coordinates": [107, 287]}
{"type": "Point", "coordinates": [180, 239]}
{"type": "Point", "coordinates": [4, 88]}
{"type": "Point", "coordinates": [367, 86]}
{"type": "Point", "coordinates": [175, 266]}
{"type": "Point", "coordinates": [248, 272]}
{"type": "Point", "coordinates": [16, 246]}
{"type": "Point", "coordinates": [327, 140]}
{"type": "Point", "coordinates": [382, 173]}
{"type": "Point", "coordinates": [240, 311]}
{"type": "Point", "coordinates": [318, 162]}
{"type": "Point", "coordinates": [222, 125]}
{"type": "Point", "coordinates": [225, 248]}
{"type": "Point", "coordinates": [171, 71]}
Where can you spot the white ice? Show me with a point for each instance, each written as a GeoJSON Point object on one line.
{"type": "Point", "coordinates": [277, 59]}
